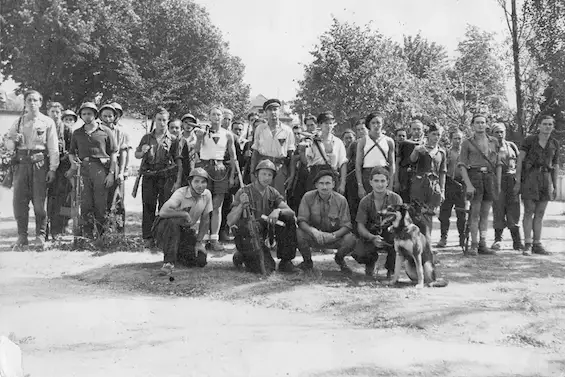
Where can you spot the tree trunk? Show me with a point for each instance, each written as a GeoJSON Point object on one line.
{"type": "Point", "coordinates": [517, 78]}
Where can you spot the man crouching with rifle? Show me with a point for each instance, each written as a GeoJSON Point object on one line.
{"type": "Point", "coordinates": [254, 237]}
{"type": "Point", "coordinates": [185, 213]}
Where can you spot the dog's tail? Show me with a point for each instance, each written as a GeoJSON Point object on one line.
{"type": "Point", "coordinates": [438, 283]}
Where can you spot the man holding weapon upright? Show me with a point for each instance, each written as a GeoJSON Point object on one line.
{"type": "Point", "coordinates": [256, 201]}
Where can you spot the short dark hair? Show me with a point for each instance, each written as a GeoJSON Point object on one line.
{"type": "Point", "coordinates": [380, 170]}
{"type": "Point", "coordinates": [173, 121]}
{"type": "Point", "coordinates": [237, 121]}
{"type": "Point", "coordinates": [544, 117]}
{"type": "Point", "coordinates": [252, 114]}
{"type": "Point", "coordinates": [58, 105]}
{"type": "Point", "coordinates": [160, 110]}
{"type": "Point", "coordinates": [478, 116]}
{"type": "Point", "coordinates": [296, 127]}
{"type": "Point", "coordinates": [30, 92]}
{"type": "Point", "coordinates": [372, 116]}
{"type": "Point", "coordinates": [398, 130]}
{"type": "Point", "coordinates": [347, 131]}
{"type": "Point", "coordinates": [310, 117]}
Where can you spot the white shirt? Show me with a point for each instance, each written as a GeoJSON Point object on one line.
{"type": "Point", "coordinates": [334, 150]}
{"type": "Point", "coordinates": [375, 157]}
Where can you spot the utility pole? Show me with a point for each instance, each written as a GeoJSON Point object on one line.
{"type": "Point", "coordinates": [517, 78]}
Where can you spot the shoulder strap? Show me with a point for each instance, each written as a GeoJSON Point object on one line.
{"type": "Point", "coordinates": [321, 151]}
{"type": "Point", "coordinates": [382, 151]}
{"type": "Point", "coordinates": [481, 152]}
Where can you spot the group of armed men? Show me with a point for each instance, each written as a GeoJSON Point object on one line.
{"type": "Point", "coordinates": [306, 188]}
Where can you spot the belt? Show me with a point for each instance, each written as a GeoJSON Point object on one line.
{"type": "Point", "coordinates": [29, 152]}
{"type": "Point", "coordinates": [96, 159]}
{"type": "Point", "coordinates": [480, 169]}
{"type": "Point", "coordinates": [543, 169]}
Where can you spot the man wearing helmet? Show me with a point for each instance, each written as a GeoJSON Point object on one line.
{"type": "Point", "coordinates": [183, 221]}
{"type": "Point", "coordinates": [263, 199]}
{"type": "Point", "coordinates": [186, 154]}
{"type": "Point", "coordinates": [108, 116]}
{"type": "Point", "coordinates": [94, 147]}
{"type": "Point", "coordinates": [34, 136]}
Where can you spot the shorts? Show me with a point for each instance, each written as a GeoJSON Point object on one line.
{"type": "Point", "coordinates": [483, 184]}
{"type": "Point", "coordinates": [219, 183]}
{"type": "Point", "coordinates": [535, 185]}
{"type": "Point", "coordinates": [425, 190]}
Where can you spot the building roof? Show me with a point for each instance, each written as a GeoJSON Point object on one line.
{"type": "Point", "coordinates": [258, 101]}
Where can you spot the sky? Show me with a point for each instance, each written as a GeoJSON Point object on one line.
{"type": "Point", "coordinates": [274, 39]}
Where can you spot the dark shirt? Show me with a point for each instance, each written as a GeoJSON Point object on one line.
{"type": "Point", "coordinates": [405, 149]}
{"type": "Point", "coordinates": [101, 143]}
{"type": "Point", "coordinates": [162, 151]}
{"type": "Point", "coordinates": [326, 215]}
{"type": "Point", "coordinates": [261, 204]}
{"type": "Point", "coordinates": [433, 161]}
{"type": "Point", "coordinates": [536, 156]}
{"type": "Point", "coordinates": [367, 214]}
{"type": "Point", "coordinates": [351, 157]}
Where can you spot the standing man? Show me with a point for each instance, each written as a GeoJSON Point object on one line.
{"type": "Point", "coordinates": [213, 145]}
{"type": "Point", "coordinates": [324, 221]}
{"type": "Point", "coordinates": [351, 188]}
{"type": "Point", "coordinates": [94, 147]}
{"type": "Point", "coordinates": [185, 147]}
{"type": "Point", "coordinates": [274, 141]}
{"type": "Point", "coordinates": [506, 209]}
{"type": "Point", "coordinates": [250, 129]}
{"type": "Point", "coordinates": [399, 135]}
{"type": "Point", "coordinates": [348, 137]}
{"type": "Point", "coordinates": [326, 152]}
{"type": "Point", "coordinates": [227, 118]}
{"type": "Point", "coordinates": [454, 193]}
{"type": "Point", "coordinates": [376, 149]}
{"type": "Point", "coordinates": [481, 171]}
{"type": "Point", "coordinates": [158, 167]}
{"type": "Point", "coordinates": [536, 175]}
{"type": "Point", "coordinates": [405, 168]}
{"type": "Point", "coordinates": [108, 116]}
{"type": "Point", "coordinates": [311, 124]}
{"type": "Point", "coordinates": [428, 180]}
{"type": "Point", "coordinates": [37, 158]}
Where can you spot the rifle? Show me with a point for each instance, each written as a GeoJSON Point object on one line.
{"type": "Point", "coordinates": [253, 228]}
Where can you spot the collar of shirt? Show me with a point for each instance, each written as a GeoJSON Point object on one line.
{"type": "Point", "coordinates": [189, 193]}
{"type": "Point", "coordinates": [96, 127]}
{"type": "Point", "coordinates": [167, 134]}
{"type": "Point", "coordinates": [320, 198]}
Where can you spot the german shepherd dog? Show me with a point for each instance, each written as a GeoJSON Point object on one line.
{"type": "Point", "coordinates": [412, 246]}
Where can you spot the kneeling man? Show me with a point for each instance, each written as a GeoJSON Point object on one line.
{"type": "Point", "coordinates": [263, 199]}
{"type": "Point", "coordinates": [324, 221]}
{"type": "Point", "coordinates": [183, 221]}
{"type": "Point", "coordinates": [373, 232]}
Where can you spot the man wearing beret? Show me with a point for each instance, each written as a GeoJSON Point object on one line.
{"type": "Point", "coordinates": [324, 221]}
{"type": "Point", "coordinates": [506, 209]}
{"type": "Point", "coordinates": [274, 141]}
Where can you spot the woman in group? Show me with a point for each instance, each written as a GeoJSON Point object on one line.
{"type": "Point", "coordinates": [536, 179]}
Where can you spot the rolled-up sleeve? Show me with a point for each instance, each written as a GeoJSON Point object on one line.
{"type": "Point", "coordinates": [52, 145]}
{"type": "Point", "coordinates": [340, 155]}
{"type": "Point", "coordinates": [344, 215]}
{"type": "Point", "coordinates": [304, 210]}
{"type": "Point", "coordinates": [464, 160]}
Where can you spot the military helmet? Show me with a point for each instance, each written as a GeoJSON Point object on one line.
{"type": "Point", "coordinates": [88, 105]}
{"type": "Point", "coordinates": [109, 106]}
{"type": "Point", "coordinates": [198, 172]}
{"type": "Point", "coordinates": [67, 113]}
{"type": "Point", "coordinates": [118, 108]}
{"type": "Point", "coordinates": [191, 117]}
{"type": "Point", "coordinates": [266, 164]}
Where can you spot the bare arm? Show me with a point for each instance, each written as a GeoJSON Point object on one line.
{"type": "Point", "coordinates": [359, 162]}
{"type": "Point", "coordinates": [364, 233]}
{"type": "Point", "coordinates": [204, 227]}
{"type": "Point", "coordinates": [233, 157]}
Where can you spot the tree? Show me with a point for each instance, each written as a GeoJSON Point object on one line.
{"type": "Point", "coordinates": [479, 84]}
{"type": "Point", "coordinates": [142, 53]}
{"type": "Point", "coordinates": [355, 71]}
{"type": "Point", "coordinates": [422, 55]}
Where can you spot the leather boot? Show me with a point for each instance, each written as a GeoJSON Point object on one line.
{"type": "Point", "coordinates": [340, 261]}
{"type": "Point", "coordinates": [497, 239]}
{"type": "Point", "coordinates": [516, 239]}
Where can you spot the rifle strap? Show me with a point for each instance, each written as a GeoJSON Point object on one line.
{"type": "Point", "coordinates": [322, 152]}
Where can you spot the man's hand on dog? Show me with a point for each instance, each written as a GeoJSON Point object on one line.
{"type": "Point", "coordinates": [379, 242]}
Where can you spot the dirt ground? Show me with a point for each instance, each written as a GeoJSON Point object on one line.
{"type": "Point", "coordinates": [93, 314]}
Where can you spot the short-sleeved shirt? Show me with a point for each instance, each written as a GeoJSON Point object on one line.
{"type": "Point", "coordinates": [100, 143]}
{"type": "Point", "coordinates": [161, 152]}
{"type": "Point", "coordinates": [537, 156]}
{"type": "Point", "coordinates": [327, 215]}
{"type": "Point", "coordinates": [197, 206]}
{"type": "Point", "coordinates": [122, 137]}
{"type": "Point", "coordinates": [261, 204]}
{"type": "Point", "coordinates": [334, 151]}
{"type": "Point", "coordinates": [367, 212]}
{"type": "Point", "coordinates": [40, 133]}
{"type": "Point", "coordinates": [433, 161]}
{"type": "Point", "coordinates": [470, 157]}
{"type": "Point", "coordinates": [275, 143]}
{"type": "Point", "coordinates": [508, 156]}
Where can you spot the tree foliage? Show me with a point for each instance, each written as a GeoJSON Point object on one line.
{"type": "Point", "coordinates": [143, 53]}
{"type": "Point", "coordinates": [356, 70]}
